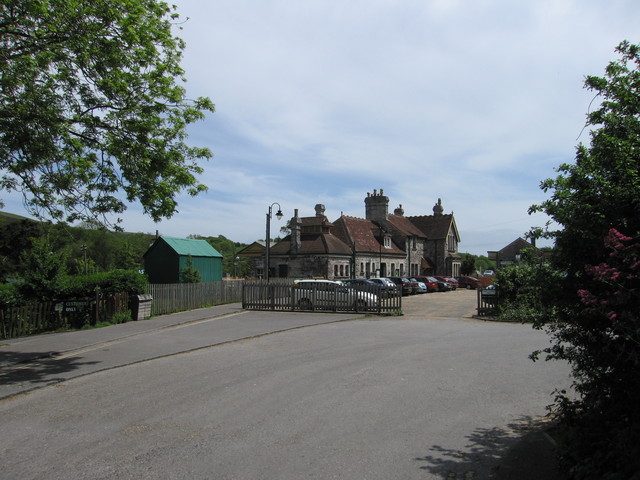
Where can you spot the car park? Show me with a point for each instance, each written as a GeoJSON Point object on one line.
{"type": "Point", "coordinates": [332, 295]}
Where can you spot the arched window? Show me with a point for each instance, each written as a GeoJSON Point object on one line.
{"type": "Point", "coordinates": [335, 270]}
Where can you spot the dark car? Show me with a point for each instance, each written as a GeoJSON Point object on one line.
{"type": "Point", "coordinates": [404, 283]}
{"type": "Point", "coordinates": [387, 287]}
{"type": "Point", "coordinates": [467, 282]}
{"type": "Point", "coordinates": [359, 281]}
{"type": "Point", "coordinates": [443, 286]}
{"type": "Point", "coordinates": [453, 284]}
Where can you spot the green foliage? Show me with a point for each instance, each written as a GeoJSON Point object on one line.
{"type": "Point", "coordinates": [116, 281]}
{"type": "Point", "coordinates": [104, 250]}
{"type": "Point", "coordinates": [44, 269]}
{"type": "Point", "coordinates": [189, 274]}
{"type": "Point", "coordinates": [598, 328]}
{"type": "Point", "coordinates": [526, 290]}
{"type": "Point", "coordinates": [9, 295]}
{"type": "Point", "coordinates": [475, 263]}
{"type": "Point", "coordinates": [93, 112]}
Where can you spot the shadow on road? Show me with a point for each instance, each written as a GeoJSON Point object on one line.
{"type": "Point", "coordinates": [36, 368]}
{"type": "Point", "coordinates": [501, 452]}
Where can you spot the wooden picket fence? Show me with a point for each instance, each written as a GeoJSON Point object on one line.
{"type": "Point", "coordinates": [282, 296]}
{"type": "Point", "coordinates": [178, 297]}
{"type": "Point", "coordinates": [40, 317]}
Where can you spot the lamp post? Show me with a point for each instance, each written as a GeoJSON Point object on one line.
{"type": "Point", "coordinates": [268, 238]}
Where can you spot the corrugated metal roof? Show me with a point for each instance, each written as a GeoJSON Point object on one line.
{"type": "Point", "coordinates": [189, 246]}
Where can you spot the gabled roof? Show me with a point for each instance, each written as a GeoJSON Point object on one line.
{"type": "Point", "coordinates": [313, 244]}
{"type": "Point", "coordinates": [515, 247]}
{"type": "Point", "coordinates": [436, 227]}
{"type": "Point", "coordinates": [404, 226]}
{"type": "Point", "coordinates": [189, 246]}
{"type": "Point", "coordinates": [364, 234]}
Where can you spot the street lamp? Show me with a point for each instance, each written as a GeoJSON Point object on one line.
{"type": "Point", "coordinates": [268, 239]}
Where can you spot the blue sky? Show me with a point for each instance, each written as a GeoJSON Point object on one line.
{"type": "Point", "coordinates": [474, 102]}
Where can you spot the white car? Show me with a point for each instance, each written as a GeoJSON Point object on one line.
{"type": "Point", "coordinates": [330, 295]}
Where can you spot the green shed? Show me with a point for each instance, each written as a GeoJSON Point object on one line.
{"type": "Point", "coordinates": [168, 256]}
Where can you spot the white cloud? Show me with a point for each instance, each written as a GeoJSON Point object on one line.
{"type": "Point", "coordinates": [323, 101]}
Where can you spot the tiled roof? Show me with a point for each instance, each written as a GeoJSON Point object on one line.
{"type": "Point", "coordinates": [515, 247]}
{"type": "Point", "coordinates": [435, 227]}
{"type": "Point", "coordinates": [404, 226]}
{"type": "Point", "coordinates": [313, 244]}
{"type": "Point", "coordinates": [365, 234]}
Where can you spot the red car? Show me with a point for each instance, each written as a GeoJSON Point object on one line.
{"type": "Point", "coordinates": [430, 282]}
{"type": "Point", "coordinates": [470, 283]}
{"type": "Point", "coordinates": [452, 281]}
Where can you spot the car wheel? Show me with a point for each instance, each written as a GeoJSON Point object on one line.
{"type": "Point", "coordinates": [468, 287]}
{"type": "Point", "coordinates": [305, 304]}
{"type": "Point", "coordinates": [360, 305]}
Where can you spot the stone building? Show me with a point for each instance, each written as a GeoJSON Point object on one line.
{"type": "Point", "coordinates": [379, 245]}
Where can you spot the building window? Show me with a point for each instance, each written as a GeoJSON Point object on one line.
{"type": "Point", "coordinates": [361, 269]}
{"type": "Point", "coordinates": [342, 270]}
{"type": "Point", "coordinates": [368, 271]}
{"type": "Point", "coordinates": [346, 270]}
{"type": "Point", "coordinates": [393, 269]}
{"type": "Point", "coordinates": [387, 242]}
{"type": "Point", "coordinates": [335, 270]}
{"type": "Point", "coordinates": [401, 269]}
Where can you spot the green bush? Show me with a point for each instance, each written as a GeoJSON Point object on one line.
{"type": "Point", "coordinates": [116, 281]}
{"type": "Point", "coordinates": [9, 295]}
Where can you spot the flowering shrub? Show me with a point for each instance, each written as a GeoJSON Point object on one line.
{"type": "Point", "coordinates": [602, 343]}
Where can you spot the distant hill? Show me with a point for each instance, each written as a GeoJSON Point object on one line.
{"type": "Point", "coordinates": [6, 217]}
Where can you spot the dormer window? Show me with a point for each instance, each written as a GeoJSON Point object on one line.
{"type": "Point", "coordinates": [387, 242]}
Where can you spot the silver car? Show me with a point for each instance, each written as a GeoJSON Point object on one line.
{"type": "Point", "coordinates": [330, 295]}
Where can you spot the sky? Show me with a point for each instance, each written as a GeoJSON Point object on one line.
{"type": "Point", "coordinates": [474, 102]}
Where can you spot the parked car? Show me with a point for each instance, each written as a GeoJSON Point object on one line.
{"type": "Point", "coordinates": [430, 282]}
{"type": "Point", "coordinates": [403, 283]}
{"type": "Point", "coordinates": [328, 294]}
{"type": "Point", "coordinates": [453, 285]}
{"type": "Point", "coordinates": [421, 287]}
{"type": "Point", "coordinates": [453, 281]}
{"type": "Point", "coordinates": [387, 287]}
{"type": "Point", "coordinates": [443, 286]}
{"type": "Point", "coordinates": [359, 281]}
{"type": "Point", "coordinates": [488, 273]}
{"type": "Point", "coordinates": [468, 282]}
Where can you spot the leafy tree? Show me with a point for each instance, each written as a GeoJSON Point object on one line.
{"type": "Point", "coordinates": [189, 274]}
{"type": "Point", "coordinates": [45, 269]}
{"type": "Point", "coordinates": [525, 288]}
{"type": "Point", "coordinates": [468, 264]}
{"type": "Point", "coordinates": [473, 263]}
{"type": "Point", "coordinates": [598, 328]}
{"type": "Point", "coordinates": [93, 112]}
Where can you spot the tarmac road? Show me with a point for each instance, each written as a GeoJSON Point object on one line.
{"type": "Point", "coordinates": [433, 394]}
